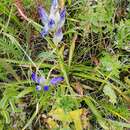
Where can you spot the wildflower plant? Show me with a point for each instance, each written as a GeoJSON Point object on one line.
{"type": "Point", "coordinates": [53, 22]}
{"type": "Point", "coordinates": [92, 97]}
{"type": "Point", "coordinates": [42, 82]}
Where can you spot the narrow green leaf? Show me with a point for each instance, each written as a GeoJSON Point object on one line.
{"type": "Point", "coordinates": [108, 91]}
{"type": "Point", "coordinates": [72, 47]}
{"type": "Point", "coordinates": [3, 102]}
{"type": "Point", "coordinates": [99, 117]}
{"type": "Point", "coordinates": [117, 123]}
{"type": "Point", "coordinates": [25, 91]}
{"type": "Point", "coordinates": [69, 1]}
{"type": "Point", "coordinates": [5, 114]}
{"type": "Point", "coordinates": [37, 26]}
{"type": "Point", "coordinates": [12, 104]}
{"type": "Point", "coordinates": [1, 125]}
{"type": "Point", "coordinates": [31, 119]}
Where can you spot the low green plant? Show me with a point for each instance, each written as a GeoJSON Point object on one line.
{"type": "Point", "coordinates": [92, 58]}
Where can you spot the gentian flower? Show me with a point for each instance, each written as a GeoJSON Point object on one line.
{"type": "Point", "coordinates": [42, 82]}
{"type": "Point", "coordinates": [38, 87]}
{"type": "Point", "coordinates": [56, 80]}
{"type": "Point", "coordinates": [53, 22]}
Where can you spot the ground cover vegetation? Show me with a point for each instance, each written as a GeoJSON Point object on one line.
{"type": "Point", "coordinates": [64, 64]}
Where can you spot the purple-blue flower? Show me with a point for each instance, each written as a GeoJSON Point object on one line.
{"type": "Point", "coordinates": [44, 31]}
{"type": "Point", "coordinates": [46, 88]}
{"type": "Point", "coordinates": [54, 4]}
{"type": "Point", "coordinates": [43, 15]}
{"type": "Point", "coordinates": [34, 76]}
{"type": "Point", "coordinates": [56, 80]}
{"type": "Point", "coordinates": [58, 36]}
{"type": "Point", "coordinates": [42, 82]}
{"type": "Point", "coordinates": [62, 13]}
{"type": "Point", "coordinates": [62, 18]}
{"type": "Point", "coordinates": [53, 22]}
{"type": "Point", "coordinates": [38, 87]}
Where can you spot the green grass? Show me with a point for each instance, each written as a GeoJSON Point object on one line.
{"type": "Point", "coordinates": [93, 58]}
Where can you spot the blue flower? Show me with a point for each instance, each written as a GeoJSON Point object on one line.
{"type": "Point", "coordinates": [39, 80]}
{"type": "Point", "coordinates": [44, 31]}
{"type": "Point", "coordinates": [53, 22]}
{"type": "Point", "coordinates": [43, 15]}
{"type": "Point", "coordinates": [34, 76]}
{"type": "Point", "coordinates": [58, 36]}
{"type": "Point", "coordinates": [46, 88]}
{"type": "Point", "coordinates": [38, 87]}
{"type": "Point", "coordinates": [56, 80]}
{"type": "Point", "coordinates": [62, 18]}
{"type": "Point", "coordinates": [42, 82]}
{"type": "Point", "coordinates": [62, 14]}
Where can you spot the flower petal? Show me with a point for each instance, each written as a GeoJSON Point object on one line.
{"type": "Point", "coordinates": [41, 80]}
{"type": "Point", "coordinates": [54, 12]}
{"type": "Point", "coordinates": [45, 31]}
{"type": "Point", "coordinates": [62, 18]}
{"type": "Point", "coordinates": [55, 16]}
{"type": "Point", "coordinates": [51, 24]}
{"type": "Point", "coordinates": [54, 5]}
{"type": "Point", "coordinates": [34, 76]}
{"type": "Point", "coordinates": [43, 15]}
{"type": "Point", "coordinates": [38, 87]}
{"type": "Point", "coordinates": [58, 36]}
{"type": "Point", "coordinates": [56, 80]}
{"type": "Point", "coordinates": [62, 13]}
{"type": "Point", "coordinates": [46, 88]}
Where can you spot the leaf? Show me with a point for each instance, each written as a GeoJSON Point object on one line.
{"type": "Point", "coordinates": [14, 108]}
{"type": "Point", "coordinates": [127, 80]}
{"type": "Point", "coordinates": [52, 124]}
{"type": "Point", "coordinates": [121, 111]}
{"type": "Point", "coordinates": [25, 91]}
{"type": "Point", "coordinates": [4, 102]}
{"type": "Point", "coordinates": [32, 118]}
{"type": "Point", "coordinates": [11, 50]}
{"type": "Point", "coordinates": [123, 36]}
{"type": "Point", "coordinates": [1, 125]}
{"type": "Point", "coordinates": [67, 103]}
{"type": "Point", "coordinates": [3, 73]}
{"type": "Point", "coordinates": [108, 91]}
{"type": "Point", "coordinates": [75, 116]}
{"type": "Point", "coordinates": [61, 51]}
{"type": "Point", "coordinates": [110, 64]}
{"type": "Point", "coordinates": [72, 47]}
{"type": "Point", "coordinates": [10, 69]}
{"type": "Point", "coordinates": [69, 1]}
{"type": "Point", "coordinates": [47, 55]}
{"type": "Point", "coordinates": [5, 114]}
{"type": "Point", "coordinates": [59, 114]}
{"type": "Point", "coordinates": [64, 70]}
{"type": "Point", "coordinates": [98, 115]}
{"type": "Point", "coordinates": [37, 26]}
{"type": "Point", "coordinates": [121, 124]}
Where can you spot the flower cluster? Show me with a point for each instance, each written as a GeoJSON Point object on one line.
{"type": "Point", "coordinates": [54, 21]}
{"type": "Point", "coordinates": [42, 82]}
